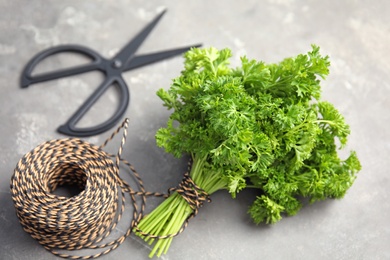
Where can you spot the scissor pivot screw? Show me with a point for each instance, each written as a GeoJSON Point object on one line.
{"type": "Point", "coordinates": [117, 64]}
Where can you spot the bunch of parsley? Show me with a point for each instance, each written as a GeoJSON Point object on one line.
{"type": "Point", "coordinates": [256, 126]}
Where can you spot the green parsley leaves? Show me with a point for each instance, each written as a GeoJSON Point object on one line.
{"type": "Point", "coordinates": [261, 125]}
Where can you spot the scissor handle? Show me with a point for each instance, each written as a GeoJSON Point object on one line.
{"type": "Point", "coordinates": [27, 78]}
{"type": "Point", "coordinates": [69, 128]}
{"type": "Point", "coordinates": [113, 77]}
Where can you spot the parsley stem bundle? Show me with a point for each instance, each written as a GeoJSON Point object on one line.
{"type": "Point", "coordinates": [168, 218]}
{"type": "Point", "coordinates": [256, 126]}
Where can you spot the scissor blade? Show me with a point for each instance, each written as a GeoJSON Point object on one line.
{"type": "Point", "coordinates": [145, 59]}
{"type": "Point", "coordinates": [127, 52]}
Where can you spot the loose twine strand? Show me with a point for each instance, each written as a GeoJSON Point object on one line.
{"type": "Point", "coordinates": [85, 220]}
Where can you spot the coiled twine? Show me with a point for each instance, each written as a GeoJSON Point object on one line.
{"type": "Point", "coordinates": [81, 221]}
{"type": "Point", "coordinates": [85, 220]}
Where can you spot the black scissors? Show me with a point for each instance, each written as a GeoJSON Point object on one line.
{"type": "Point", "coordinates": [112, 68]}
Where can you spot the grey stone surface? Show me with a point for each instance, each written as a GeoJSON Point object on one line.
{"type": "Point", "coordinates": [356, 36]}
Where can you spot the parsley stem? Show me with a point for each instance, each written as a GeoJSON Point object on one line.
{"type": "Point", "coordinates": [169, 217]}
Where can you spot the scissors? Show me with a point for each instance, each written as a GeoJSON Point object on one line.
{"type": "Point", "coordinates": [112, 68]}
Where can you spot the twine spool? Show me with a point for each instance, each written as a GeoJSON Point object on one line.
{"type": "Point", "coordinates": [85, 220]}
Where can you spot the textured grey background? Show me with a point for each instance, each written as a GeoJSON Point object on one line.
{"type": "Point", "coordinates": [356, 36]}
